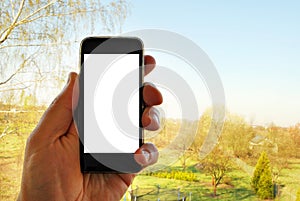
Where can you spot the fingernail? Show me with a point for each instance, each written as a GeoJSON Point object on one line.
{"type": "Point", "coordinates": [154, 123]}
{"type": "Point", "coordinates": [146, 155]}
{"type": "Point", "coordinates": [149, 84]}
{"type": "Point", "coordinates": [156, 119]}
{"type": "Point", "coordinates": [147, 121]}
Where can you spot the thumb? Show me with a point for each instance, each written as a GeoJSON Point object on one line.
{"type": "Point", "coordinates": [59, 116]}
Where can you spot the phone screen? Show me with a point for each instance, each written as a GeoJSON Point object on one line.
{"type": "Point", "coordinates": [111, 107]}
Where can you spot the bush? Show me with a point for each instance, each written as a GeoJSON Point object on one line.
{"type": "Point", "coordinates": [265, 185]}
{"type": "Point", "coordinates": [262, 178]}
{"type": "Point", "coordinates": [178, 175]}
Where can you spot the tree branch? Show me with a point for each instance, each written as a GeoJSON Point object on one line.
{"type": "Point", "coordinates": [35, 12]}
{"type": "Point", "coordinates": [38, 45]}
{"type": "Point", "coordinates": [12, 8]}
{"type": "Point", "coordinates": [21, 66]}
{"type": "Point", "coordinates": [75, 12]}
{"type": "Point", "coordinates": [14, 89]}
{"type": "Point", "coordinates": [7, 31]}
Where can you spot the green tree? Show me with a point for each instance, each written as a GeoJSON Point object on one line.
{"type": "Point", "coordinates": [265, 185]}
{"type": "Point", "coordinates": [262, 177]}
{"type": "Point", "coordinates": [259, 168]}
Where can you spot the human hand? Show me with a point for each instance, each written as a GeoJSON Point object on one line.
{"type": "Point", "coordinates": [51, 168]}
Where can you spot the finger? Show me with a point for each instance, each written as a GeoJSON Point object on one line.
{"type": "Point", "coordinates": [146, 155]}
{"type": "Point", "coordinates": [151, 95]}
{"type": "Point", "coordinates": [149, 63]}
{"type": "Point", "coordinates": [59, 116]}
{"type": "Point", "coordinates": [150, 119]}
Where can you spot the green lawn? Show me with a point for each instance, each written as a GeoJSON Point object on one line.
{"type": "Point", "coordinates": [290, 181]}
{"type": "Point", "coordinates": [238, 188]}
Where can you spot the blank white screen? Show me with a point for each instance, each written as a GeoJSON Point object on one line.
{"type": "Point", "coordinates": [112, 68]}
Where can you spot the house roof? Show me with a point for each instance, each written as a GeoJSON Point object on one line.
{"type": "Point", "coordinates": [257, 139]}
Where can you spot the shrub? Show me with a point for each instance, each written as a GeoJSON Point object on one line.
{"type": "Point", "coordinates": [262, 177]}
{"type": "Point", "coordinates": [259, 168]}
{"type": "Point", "coordinates": [178, 175]}
{"type": "Point", "coordinates": [265, 185]}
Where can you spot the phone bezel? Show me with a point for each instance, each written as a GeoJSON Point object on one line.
{"type": "Point", "coordinates": [111, 45]}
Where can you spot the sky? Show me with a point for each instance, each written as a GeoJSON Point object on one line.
{"type": "Point", "coordinates": [254, 45]}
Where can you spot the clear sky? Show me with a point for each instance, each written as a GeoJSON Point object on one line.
{"type": "Point", "coordinates": [255, 46]}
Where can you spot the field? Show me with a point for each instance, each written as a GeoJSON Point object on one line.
{"type": "Point", "coordinates": [16, 126]}
{"type": "Point", "coordinates": [14, 130]}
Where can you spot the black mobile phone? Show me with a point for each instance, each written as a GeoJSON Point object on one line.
{"type": "Point", "coordinates": [109, 111]}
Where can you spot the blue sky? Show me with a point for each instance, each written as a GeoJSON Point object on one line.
{"type": "Point", "coordinates": [255, 46]}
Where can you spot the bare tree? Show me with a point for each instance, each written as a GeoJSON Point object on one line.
{"type": "Point", "coordinates": [36, 36]}
{"type": "Point", "coordinates": [216, 164]}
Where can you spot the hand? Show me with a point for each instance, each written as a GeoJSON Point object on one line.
{"type": "Point", "coordinates": [51, 165]}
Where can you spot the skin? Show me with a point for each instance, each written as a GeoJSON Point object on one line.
{"type": "Point", "coordinates": [51, 168]}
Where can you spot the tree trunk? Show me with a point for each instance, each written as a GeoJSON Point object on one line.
{"type": "Point", "coordinates": [215, 190]}
{"type": "Point", "coordinates": [213, 182]}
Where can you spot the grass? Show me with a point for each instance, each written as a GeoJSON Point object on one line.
{"type": "Point", "coordinates": [12, 145]}
{"type": "Point", "coordinates": [11, 159]}
{"type": "Point", "coordinates": [238, 189]}
{"type": "Point", "coordinates": [290, 181]}
{"type": "Point", "coordinates": [235, 186]}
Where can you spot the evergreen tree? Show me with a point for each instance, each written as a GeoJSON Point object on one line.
{"type": "Point", "coordinates": [262, 177]}
{"type": "Point", "coordinates": [259, 168]}
{"type": "Point", "coordinates": [265, 184]}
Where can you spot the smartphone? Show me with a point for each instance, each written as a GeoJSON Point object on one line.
{"type": "Point", "coordinates": [110, 107]}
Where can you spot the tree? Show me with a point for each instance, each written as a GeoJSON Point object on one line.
{"type": "Point", "coordinates": [294, 131]}
{"type": "Point", "coordinates": [35, 31]}
{"type": "Point", "coordinates": [236, 135]}
{"type": "Point", "coordinates": [210, 129]}
{"type": "Point", "coordinates": [285, 143]}
{"type": "Point", "coordinates": [259, 168]}
{"type": "Point", "coordinates": [185, 155]}
{"type": "Point", "coordinates": [216, 164]}
{"type": "Point", "coordinates": [184, 140]}
{"type": "Point", "coordinates": [279, 163]}
{"type": "Point", "coordinates": [265, 185]}
{"type": "Point", "coordinates": [262, 177]}
{"type": "Point", "coordinates": [164, 137]}
{"type": "Point", "coordinates": [203, 128]}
